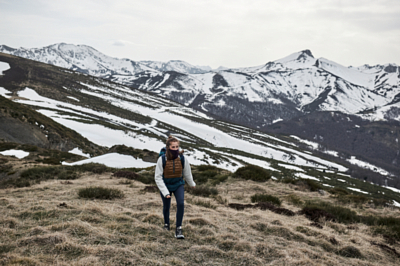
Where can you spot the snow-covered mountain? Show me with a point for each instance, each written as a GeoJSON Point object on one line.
{"type": "Point", "coordinates": [108, 114]}
{"type": "Point", "coordinates": [88, 60]}
{"type": "Point", "coordinates": [177, 66]}
{"type": "Point", "coordinates": [278, 90]}
{"type": "Point", "coordinates": [262, 97]}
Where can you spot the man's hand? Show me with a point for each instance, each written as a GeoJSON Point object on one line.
{"type": "Point", "coordinates": [168, 196]}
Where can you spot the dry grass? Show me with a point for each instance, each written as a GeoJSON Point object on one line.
{"type": "Point", "coordinates": [48, 224]}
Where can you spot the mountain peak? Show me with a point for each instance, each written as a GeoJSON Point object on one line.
{"type": "Point", "coordinates": [307, 52]}
{"type": "Point", "coordinates": [299, 59]}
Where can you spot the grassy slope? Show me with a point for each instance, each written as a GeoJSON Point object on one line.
{"type": "Point", "coordinates": [35, 229]}
{"type": "Point", "coordinates": [57, 132]}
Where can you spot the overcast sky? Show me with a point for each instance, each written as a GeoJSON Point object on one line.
{"type": "Point", "coordinates": [231, 33]}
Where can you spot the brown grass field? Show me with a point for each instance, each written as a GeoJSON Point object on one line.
{"type": "Point", "coordinates": [49, 224]}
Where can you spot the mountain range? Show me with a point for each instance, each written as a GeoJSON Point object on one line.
{"type": "Point", "coordinates": [298, 83]}
{"type": "Point", "coordinates": [269, 98]}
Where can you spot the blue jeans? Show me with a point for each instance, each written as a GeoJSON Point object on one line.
{"type": "Point", "coordinates": [179, 196]}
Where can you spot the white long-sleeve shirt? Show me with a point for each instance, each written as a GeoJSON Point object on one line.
{"type": "Point", "coordinates": [186, 173]}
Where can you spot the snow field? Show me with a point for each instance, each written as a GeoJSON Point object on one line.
{"type": "Point", "coordinates": [115, 160]}
{"type": "Point", "coordinates": [108, 137]}
{"type": "Point", "coordinates": [363, 164]}
{"type": "Point", "coordinates": [3, 67]}
{"type": "Point", "coordinates": [17, 153]}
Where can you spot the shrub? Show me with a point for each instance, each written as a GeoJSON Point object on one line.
{"type": "Point", "coordinates": [206, 204]}
{"type": "Point", "coordinates": [294, 199]}
{"type": "Point", "coordinates": [92, 167]}
{"type": "Point", "coordinates": [7, 146]}
{"type": "Point", "coordinates": [357, 199]}
{"type": "Point", "coordinates": [315, 214]}
{"type": "Point", "coordinates": [100, 193]}
{"type": "Point", "coordinates": [218, 179]}
{"type": "Point", "coordinates": [206, 167]}
{"type": "Point", "coordinates": [289, 180]}
{"type": "Point", "coordinates": [265, 198]}
{"type": "Point", "coordinates": [308, 183]}
{"type": "Point", "coordinates": [350, 252]}
{"type": "Point", "coordinates": [41, 173]}
{"type": "Point", "coordinates": [203, 190]}
{"type": "Point", "coordinates": [151, 189]}
{"type": "Point", "coordinates": [338, 191]}
{"type": "Point", "coordinates": [311, 184]}
{"type": "Point", "coordinates": [35, 175]}
{"type": "Point", "coordinates": [252, 172]}
{"type": "Point", "coordinates": [146, 178]}
{"type": "Point", "coordinates": [203, 177]}
{"type": "Point", "coordinates": [380, 202]}
{"type": "Point", "coordinates": [68, 175]}
{"type": "Point", "coordinates": [29, 148]}
{"type": "Point", "coordinates": [19, 182]}
{"type": "Point", "coordinates": [127, 174]}
{"type": "Point", "coordinates": [392, 231]}
{"type": "Point", "coordinates": [342, 215]}
{"type": "Point", "coordinates": [51, 160]}
{"type": "Point", "coordinates": [383, 225]}
{"type": "Point", "coordinates": [210, 174]}
{"type": "Point", "coordinates": [5, 168]}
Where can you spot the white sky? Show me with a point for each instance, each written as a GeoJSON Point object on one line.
{"type": "Point", "coordinates": [234, 33]}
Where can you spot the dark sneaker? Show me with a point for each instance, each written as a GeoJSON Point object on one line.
{"type": "Point", "coordinates": [178, 233]}
{"type": "Point", "coordinates": [166, 227]}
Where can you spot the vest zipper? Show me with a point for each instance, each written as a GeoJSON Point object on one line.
{"type": "Point", "coordinates": [173, 162]}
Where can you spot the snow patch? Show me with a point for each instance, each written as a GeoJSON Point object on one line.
{"type": "Point", "coordinates": [3, 67]}
{"type": "Point", "coordinates": [393, 189]}
{"type": "Point", "coordinates": [302, 175]}
{"type": "Point", "coordinates": [291, 167]}
{"type": "Point", "coordinates": [277, 120]}
{"type": "Point", "coordinates": [314, 145]}
{"type": "Point", "coordinates": [78, 151]}
{"type": "Point", "coordinates": [73, 98]}
{"type": "Point", "coordinates": [17, 153]}
{"type": "Point", "coordinates": [115, 160]}
{"type": "Point", "coordinates": [357, 190]}
{"type": "Point", "coordinates": [363, 164]}
{"type": "Point", "coordinates": [3, 92]}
